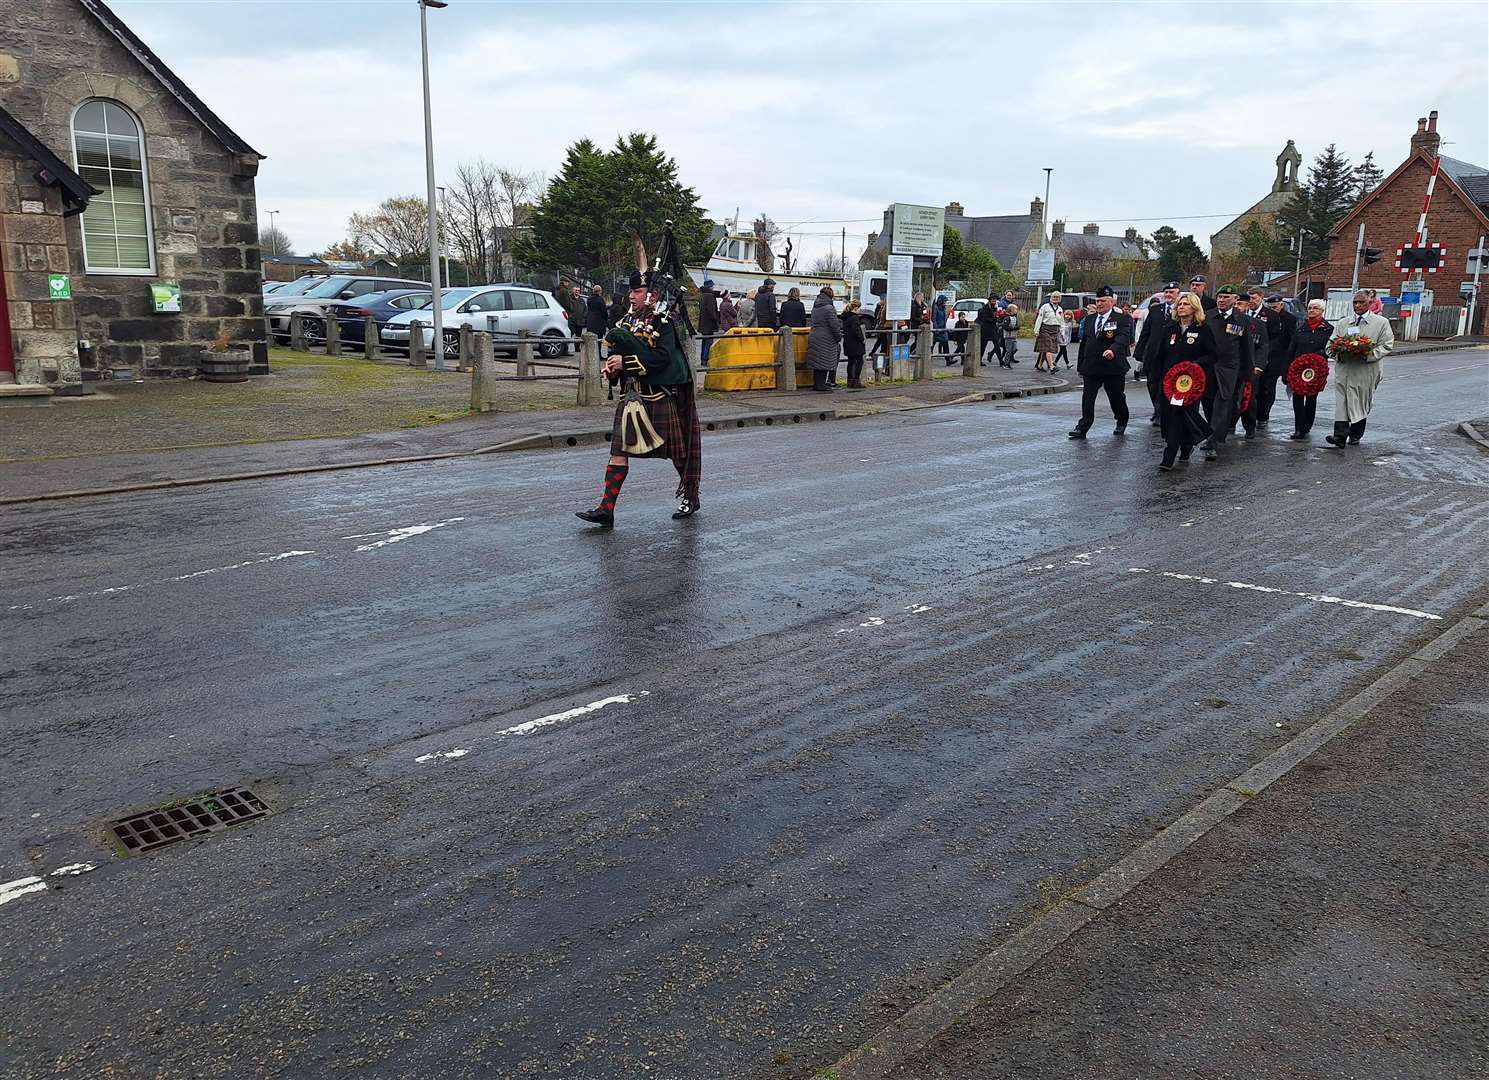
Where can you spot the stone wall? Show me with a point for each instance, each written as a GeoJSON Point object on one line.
{"type": "Point", "coordinates": [201, 194]}
{"type": "Point", "coordinates": [34, 235]}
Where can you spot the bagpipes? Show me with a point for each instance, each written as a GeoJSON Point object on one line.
{"type": "Point", "coordinates": [664, 281]}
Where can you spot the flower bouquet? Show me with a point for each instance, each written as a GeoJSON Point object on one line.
{"type": "Point", "coordinates": [1351, 347]}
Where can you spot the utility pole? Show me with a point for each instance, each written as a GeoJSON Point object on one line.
{"type": "Point", "coordinates": [1473, 297]}
{"type": "Point", "coordinates": [843, 254]}
{"type": "Point", "coordinates": [434, 289]}
{"type": "Point", "coordinates": [273, 233]}
{"type": "Point", "coordinates": [1044, 231]}
{"type": "Point", "coordinates": [444, 252]}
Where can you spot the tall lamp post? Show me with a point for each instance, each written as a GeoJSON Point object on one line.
{"type": "Point", "coordinates": [444, 251]}
{"type": "Point", "coordinates": [273, 233]}
{"type": "Point", "coordinates": [1044, 227]}
{"type": "Point", "coordinates": [434, 290]}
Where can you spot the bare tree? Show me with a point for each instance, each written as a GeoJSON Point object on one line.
{"type": "Point", "coordinates": [398, 228]}
{"type": "Point", "coordinates": [828, 266]}
{"type": "Point", "coordinates": [766, 232]}
{"type": "Point", "coordinates": [273, 241]}
{"type": "Point", "coordinates": [484, 204]}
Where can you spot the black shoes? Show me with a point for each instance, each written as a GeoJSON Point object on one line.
{"type": "Point", "coordinates": [1298, 435]}
{"type": "Point", "coordinates": [1210, 454]}
{"type": "Point", "coordinates": [1121, 427]}
{"type": "Point", "coordinates": [603, 518]}
{"type": "Point", "coordinates": [685, 508]}
{"type": "Point", "coordinates": [1076, 434]}
{"type": "Point", "coordinates": [1354, 440]}
{"type": "Point", "coordinates": [1184, 453]}
{"type": "Point", "coordinates": [1335, 441]}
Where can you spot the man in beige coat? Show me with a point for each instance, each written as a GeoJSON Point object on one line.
{"type": "Point", "coordinates": [1355, 379]}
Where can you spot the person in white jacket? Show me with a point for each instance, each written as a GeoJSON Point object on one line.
{"type": "Point", "coordinates": [1355, 378]}
{"type": "Point", "coordinates": [1047, 323]}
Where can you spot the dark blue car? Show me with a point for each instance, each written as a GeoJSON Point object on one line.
{"type": "Point", "coordinates": [382, 306]}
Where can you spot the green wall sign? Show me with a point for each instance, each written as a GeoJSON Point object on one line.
{"type": "Point", "coordinates": [59, 286]}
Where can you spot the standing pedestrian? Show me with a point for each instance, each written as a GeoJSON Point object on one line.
{"type": "Point", "coordinates": [1376, 307]}
{"type": "Point", "coordinates": [1198, 285]}
{"type": "Point", "coordinates": [645, 351]}
{"type": "Point", "coordinates": [824, 340]}
{"type": "Point", "coordinates": [941, 339]}
{"type": "Point", "coordinates": [1011, 334]}
{"type": "Point", "coordinates": [1176, 338]}
{"type": "Point", "coordinates": [766, 316]}
{"type": "Point", "coordinates": [1106, 339]}
{"type": "Point", "coordinates": [1357, 376]}
{"type": "Point", "coordinates": [1160, 310]}
{"type": "Point", "coordinates": [959, 333]}
{"type": "Point", "coordinates": [728, 313]}
{"type": "Point", "coordinates": [747, 308]}
{"type": "Point", "coordinates": [708, 319]}
{"type": "Point", "coordinates": [917, 319]}
{"type": "Point", "coordinates": [1312, 336]}
{"type": "Point", "coordinates": [881, 324]}
{"type": "Point", "coordinates": [1251, 378]}
{"type": "Point", "coordinates": [853, 342]}
{"type": "Point", "coordinates": [596, 312]}
{"type": "Point", "coordinates": [1047, 322]}
{"type": "Point", "coordinates": [1232, 363]}
{"type": "Point", "coordinates": [793, 312]}
{"type": "Point", "coordinates": [990, 322]}
{"type": "Point", "coordinates": [1067, 328]}
{"type": "Point", "coordinates": [1281, 329]}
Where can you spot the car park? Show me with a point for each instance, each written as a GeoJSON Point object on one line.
{"type": "Point", "coordinates": [317, 296]}
{"type": "Point", "coordinates": [351, 315]}
{"type": "Point", "coordinates": [505, 310]}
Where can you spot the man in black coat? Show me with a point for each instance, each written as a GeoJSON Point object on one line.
{"type": "Point", "coordinates": [708, 318]}
{"type": "Point", "coordinates": [765, 306]}
{"type": "Point", "coordinates": [991, 328]}
{"type": "Point", "coordinates": [1232, 329]}
{"type": "Point", "coordinates": [1259, 350]}
{"type": "Point", "coordinates": [1282, 330]}
{"type": "Point", "coordinates": [1106, 338]}
{"type": "Point", "coordinates": [1160, 308]}
{"type": "Point", "coordinates": [1198, 285]}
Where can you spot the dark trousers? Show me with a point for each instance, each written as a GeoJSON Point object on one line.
{"type": "Point", "coordinates": [1344, 427]}
{"type": "Point", "coordinates": [1303, 410]}
{"type": "Point", "coordinates": [1266, 393]}
{"type": "Point", "coordinates": [819, 379]}
{"type": "Point", "coordinates": [855, 371]}
{"type": "Point", "coordinates": [1116, 394]}
{"type": "Point", "coordinates": [1063, 354]}
{"type": "Point", "coordinates": [704, 344]}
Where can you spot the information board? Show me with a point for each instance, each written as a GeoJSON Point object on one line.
{"type": "Point", "coordinates": [897, 298]}
{"type": "Point", "coordinates": [918, 230]}
{"type": "Point", "coordinates": [1041, 267]}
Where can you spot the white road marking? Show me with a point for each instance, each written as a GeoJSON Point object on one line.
{"type": "Point", "coordinates": [14, 890]}
{"type": "Point", "coordinates": [461, 752]}
{"type": "Point", "coordinates": [918, 609]}
{"type": "Point", "coordinates": [73, 869]}
{"type": "Point", "coordinates": [1317, 598]}
{"type": "Point", "coordinates": [395, 536]}
{"type": "Point", "coordinates": [162, 581]}
{"type": "Point", "coordinates": [544, 721]}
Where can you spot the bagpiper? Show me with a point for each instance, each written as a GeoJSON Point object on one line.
{"type": "Point", "coordinates": [657, 415]}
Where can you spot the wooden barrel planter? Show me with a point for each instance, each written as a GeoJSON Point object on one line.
{"type": "Point", "coordinates": [225, 367]}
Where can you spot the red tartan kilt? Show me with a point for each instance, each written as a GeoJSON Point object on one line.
{"type": "Point", "coordinates": [663, 416]}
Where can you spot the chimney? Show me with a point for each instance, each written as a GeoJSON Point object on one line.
{"type": "Point", "coordinates": [1036, 208]}
{"type": "Point", "coordinates": [1090, 230]}
{"type": "Point", "coordinates": [1057, 230]}
{"type": "Point", "coordinates": [1131, 233]}
{"type": "Point", "coordinates": [954, 209]}
{"type": "Point", "coordinates": [873, 239]}
{"type": "Point", "coordinates": [1427, 137]}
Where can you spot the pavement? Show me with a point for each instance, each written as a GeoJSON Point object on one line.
{"type": "Point", "coordinates": [720, 797]}
{"type": "Point", "coordinates": [65, 473]}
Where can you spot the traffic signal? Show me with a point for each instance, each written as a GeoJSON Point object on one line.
{"type": "Point", "coordinates": [1421, 258]}
{"type": "Point", "coordinates": [1371, 255]}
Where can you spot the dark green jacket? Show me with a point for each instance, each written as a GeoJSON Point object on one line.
{"type": "Point", "coordinates": [650, 351]}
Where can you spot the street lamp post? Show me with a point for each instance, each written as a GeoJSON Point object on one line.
{"type": "Point", "coordinates": [273, 233]}
{"type": "Point", "coordinates": [434, 275]}
{"type": "Point", "coordinates": [1044, 227]}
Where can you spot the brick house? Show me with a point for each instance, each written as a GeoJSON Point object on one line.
{"type": "Point", "coordinates": [113, 173]}
{"type": "Point", "coordinates": [1458, 217]}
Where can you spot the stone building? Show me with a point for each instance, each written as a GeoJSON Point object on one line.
{"type": "Point", "coordinates": [116, 178]}
{"type": "Point", "coordinates": [1284, 185]}
{"type": "Point", "coordinates": [1458, 217]}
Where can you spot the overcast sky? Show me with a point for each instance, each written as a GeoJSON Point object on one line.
{"type": "Point", "coordinates": [822, 114]}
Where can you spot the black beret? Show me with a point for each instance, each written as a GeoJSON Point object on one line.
{"type": "Point", "coordinates": [1198, 279]}
{"type": "Point", "coordinates": [1105, 290]}
{"type": "Point", "coordinates": [1275, 298]}
{"type": "Point", "coordinates": [1170, 285]}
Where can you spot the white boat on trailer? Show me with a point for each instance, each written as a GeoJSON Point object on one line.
{"type": "Point", "coordinates": [733, 266]}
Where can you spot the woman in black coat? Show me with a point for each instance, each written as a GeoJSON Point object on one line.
{"type": "Point", "coordinates": [1186, 336]}
{"type": "Point", "coordinates": [853, 343]}
{"type": "Point", "coordinates": [1311, 337]}
{"type": "Point", "coordinates": [990, 327]}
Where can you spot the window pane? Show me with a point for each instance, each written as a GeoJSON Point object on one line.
{"type": "Point", "coordinates": [129, 218]}
{"type": "Point", "coordinates": [119, 122]}
{"type": "Point", "coordinates": [93, 151]}
{"type": "Point", "coordinates": [124, 153]}
{"type": "Point", "coordinates": [98, 234]}
{"type": "Point", "coordinates": [134, 253]}
{"type": "Point", "coordinates": [98, 177]}
{"type": "Point", "coordinates": [90, 117]}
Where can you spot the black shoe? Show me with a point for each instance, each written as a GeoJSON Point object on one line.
{"type": "Point", "coordinates": [604, 518]}
{"type": "Point", "coordinates": [1261, 421]}
{"type": "Point", "coordinates": [1076, 434]}
{"type": "Point", "coordinates": [1298, 435]}
{"type": "Point", "coordinates": [1210, 454]}
{"type": "Point", "coordinates": [1251, 433]}
{"type": "Point", "coordinates": [1184, 453]}
{"type": "Point", "coordinates": [1165, 466]}
{"type": "Point", "coordinates": [1335, 441]}
{"type": "Point", "coordinates": [1354, 440]}
{"type": "Point", "coordinates": [1120, 428]}
{"type": "Point", "coordinates": [685, 509]}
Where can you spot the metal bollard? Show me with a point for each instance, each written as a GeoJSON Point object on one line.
{"type": "Point", "coordinates": [482, 374]}
{"type": "Point", "coordinates": [333, 334]}
{"type": "Point", "coordinates": [467, 350]}
{"type": "Point", "coordinates": [923, 369]}
{"type": "Point", "coordinates": [591, 387]}
{"type": "Point", "coordinates": [297, 333]}
{"type": "Point", "coordinates": [972, 361]}
{"type": "Point", "coordinates": [524, 353]}
{"type": "Point", "coordinates": [785, 361]}
{"type": "Point", "coordinates": [369, 337]}
{"type": "Point", "coordinates": [417, 356]}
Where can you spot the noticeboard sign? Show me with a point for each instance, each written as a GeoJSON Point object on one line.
{"type": "Point", "coordinates": [1041, 267]}
{"type": "Point", "coordinates": [897, 296]}
{"type": "Point", "coordinates": [918, 230]}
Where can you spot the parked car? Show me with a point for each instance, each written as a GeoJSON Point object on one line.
{"type": "Point", "coordinates": [315, 296]}
{"type": "Point", "coordinates": [505, 309]}
{"type": "Point", "coordinates": [382, 306]}
{"type": "Point", "coordinates": [273, 286]}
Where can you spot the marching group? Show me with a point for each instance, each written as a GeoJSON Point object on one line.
{"type": "Point", "coordinates": [1212, 363]}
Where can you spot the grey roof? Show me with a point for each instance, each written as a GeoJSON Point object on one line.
{"type": "Point", "coordinates": [1461, 170]}
{"type": "Point", "coordinates": [1003, 236]}
{"type": "Point", "coordinates": [1118, 247]}
{"type": "Point", "coordinates": [54, 171]}
{"type": "Point", "coordinates": [168, 78]}
{"type": "Point", "coordinates": [295, 260]}
{"type": "Point", "coordinates": [1476, 188]}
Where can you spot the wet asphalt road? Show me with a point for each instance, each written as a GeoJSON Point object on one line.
{"type": "Point", "coordinates": [904, 680]}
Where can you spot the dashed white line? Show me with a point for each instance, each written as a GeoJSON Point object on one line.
{"type": "Point", "coordinates": [14, 890]}
{"type": "Point", "coordinates": [162, 581]}
{"type": "Point", "coordinates": [457, 753]}
{"type": "Point", "coordinates": [1317, 598]}
{"type": "Point", "coordinates": [530, 726]}
{"type": "Point", "coordinates": [398, 535]}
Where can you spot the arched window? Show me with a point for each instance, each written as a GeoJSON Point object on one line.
{"type": "Point", "coordinates": [109, 148]}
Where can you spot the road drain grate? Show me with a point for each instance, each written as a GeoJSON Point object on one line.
{"type": "Point", "coordinates": [190, 818]}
